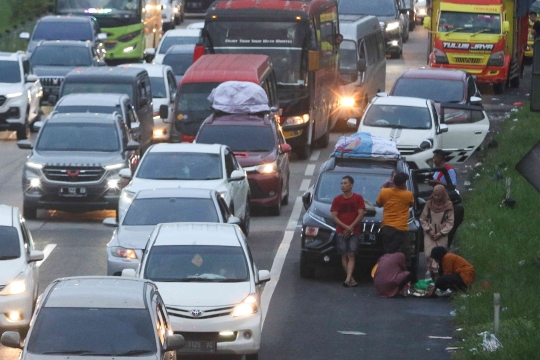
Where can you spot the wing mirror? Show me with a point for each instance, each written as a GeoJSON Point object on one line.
{"type": "Point", "coordinates": [31, 78]}
{"type": "Point", "coordinates": [125, 174]}
{"type": "Point", "coordinates": [11, 339]}
{"type": "Point", "coordinates": [174, 342]}
{"type": "Point", "coordinates": [36, 255]}
{"type": "Point", "coordinates": [352, 123]}
{"type": "Point", "coordinates": [306, 199]}
{"type": "Point", "coordinates": [286, 148]}
{"type": "Point", "coordinates": [427, 22]}
{"type": "Point", "coordinates": [361, 65]}
{"type": "Point", "coordinates": [102, 36]}
{"type": "Point", "coordinates": [110, 222]}
{"type": "Point", "coordinates": [234, 220]}
{"type": "Point", "coordinates": [149, 55]}
{"type": "Point", "coordinates": [443, 128]}
{"type": "Point", "coordinates": [129, 273]}
{"type": "Point", "coordinates": [506, 26]}
{"type": "Point", "coordinates": [134, 126]}
{"type": "Point", "coordinates": [25, 36]}
{"type": "Point", "coordinates": [25, 144]}
{"type": "Point", "coordinates": [264, 276]}
{"type": "Point", "coordinates": [475, 100]}
{"type": "Point", "coordinates": [237, 175]}
{"type": "Point", "coordinates": [132, 146]}
{"type": "Point", "coordinates": [164, 112]}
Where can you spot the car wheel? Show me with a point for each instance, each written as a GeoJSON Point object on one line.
{"type": "Point", "coordinates": [246, 221]}
{"type": "Point", "coordinates": [514, 82]}
{"type": "Point", "coordinates": [24, 132]}
{"type": "Point", "coordinates": [252, 356]}
{"type": "Point", "coordinates": [412, 25]}
{"type": "Point", "coordinates": [177, 19]}
{"type": "Point", "coordinates": [307, 271]}
{"type": "Point", "coordinates": [395, 55]}
{"type": "Point", "coordinates": [303, 152]}
{"type": "Point", "coordinates": [324, 140]}
{"type": "Point", "coordinates": [276, 209]}
{"type": "Point", "coordinates": [29, 213]}
{"type": "Point", "coordinates": [285, 200]}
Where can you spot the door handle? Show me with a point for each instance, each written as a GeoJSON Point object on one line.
{"type": "Point", "coordinates": [477, 132]}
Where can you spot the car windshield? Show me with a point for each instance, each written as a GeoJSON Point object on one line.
{"type": "Point", "coordinates": [10, 247]}
{"type": "Point", "coordinates": [196, 263]}
{"type": "Point", "coordinates": [158, 88]}
{"type": "Point", "coordinates": [398, 116]}
{"type": "Point", "coordinates": [62, 30]}
{"type": "Point", "coordinates": [243, 138]}
{"type": "Point", "coordinates": [98, 7]}
{"type": "Point", "coordinates": [193, 106]}
{"type": "Point", "coordinates": [179, 62]}
{"type": "Point", "coordinates": [78, 137]}
{"type": "Point", "coordinates": [168, 210]}
{"type": "Point", "coordinates": [10, 72]}
{"type": "Point", "coordinates": [348, 61]}
{"type": "Point", "coordinates": [438, 90]}
{"type": "Point", "coordinates": [180, 166]}
{"type": "Point", "coordinates": [367, 7]}
{"type": "Point", "coordinates": [87, 108]}
{"type": "Point", "coordinates": [97, 88]}
{"type": "Point", "coordinates": [366, 184]}
{"type": "Point", "coordinates": [61, 56]}
{"type": "Point", "coordinates": [93, 331]}
{"type": "Point", "coordinates": [177, 40]}
{"type": "Point", "coordinates": [452, 21]}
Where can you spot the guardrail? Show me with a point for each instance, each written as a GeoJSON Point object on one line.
{"type": "Point", "coordinates": [9, 39]}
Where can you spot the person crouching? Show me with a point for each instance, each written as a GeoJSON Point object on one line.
{"type": "Point", "coordinates": [457, 273]}
{"type": "Point", "coordinates": [391, 275]}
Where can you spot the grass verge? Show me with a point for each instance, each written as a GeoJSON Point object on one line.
{"type": "Point", "coordinates": [502, 243]}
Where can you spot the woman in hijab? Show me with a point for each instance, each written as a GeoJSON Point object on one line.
{"type": "Point", "coordinates": [437, 220]}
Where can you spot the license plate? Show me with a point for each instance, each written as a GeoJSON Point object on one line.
{"type": "Point", "coordinates": [369, 238]}
{"type": "Point", "coordinates": [73, 191]}
{"type": "Point", "coordinates": [292, 133]}
{"type": "Point", "coordinates": [194, 346]}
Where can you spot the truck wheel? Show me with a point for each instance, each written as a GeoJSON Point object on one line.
{"type": "Point", "coordinates": [303, 152]}
{"type": "Point", "coordinates": [324, 140]}
{"type": "Point", "coordinates": [306, 271]}
{"type": "Point", "coordinates": [514, 82]}
{"type": "Point", "coordinates": [498, 88]}
{"type": "Point", "coordinates": [412, 25]}
{"type": "Point", "coordinates": [29, 213]}
{"type": "Point", "coordinates": [395, 55]}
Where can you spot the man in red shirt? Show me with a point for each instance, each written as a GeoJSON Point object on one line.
{"type": "Point", "coordinates": [348, 211]}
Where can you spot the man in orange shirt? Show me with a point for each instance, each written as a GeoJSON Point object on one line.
{"type": "Point", "coordinates": [457, 273]}
{"type": "Point", "coordinates": [396, 203]}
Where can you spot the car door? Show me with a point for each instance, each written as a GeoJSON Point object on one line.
{"type": "Point", "coordinates": [422, 190]}
{"type": "Point", "coordinates": [32, 267]}
{"type": "Point", "coordinates": [132, 121]}
{"type": "Point", "coordinates": [467, 128]}
{"type": "Point", "coordinates": [34, 88]}
{"type": "Point", "coordinates": [236, 188]}
{"type": "Point", "coordinates": [173, 87]}
{"type": "Point", "coordinates": [283, 159]}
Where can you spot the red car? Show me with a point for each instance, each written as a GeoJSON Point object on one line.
{"type": "Point", "coordinates": [260, 148]}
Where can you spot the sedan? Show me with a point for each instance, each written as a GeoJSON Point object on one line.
{"type": "Point", "coordinates": [171, 38]}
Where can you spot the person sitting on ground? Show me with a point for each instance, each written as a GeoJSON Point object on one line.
{"type": "Point", "coordinates": [437, 220]}
{"type": "Point", "coordinates": [391, 274]}
{"type": "Point", "coordinates": [456, 272]}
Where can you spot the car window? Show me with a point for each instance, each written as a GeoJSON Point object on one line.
{"type": "Point", "coordinates": [196, 263]}
{"type": "Point", "coordinates": [397, 116]}
{"type": "Point", "coordinates": [229, 163]}
{"type": "Point", "coordinates": [225, 213]}
{"type": "Point", "coordinates": [27, 69]}
{"type": "Point", "coordinates": [179, 62]}
{"type": "Point", "coordinates": [10, 72]}
{"type": "Point", "coordinates": [471, 87]}
{"type": "Point", "coordinates": [62, 109]}
{"type": "Point", "coordinates": [177, 40]}
{"type": "Point", "coordinates": [78, 137]}
{"type": "Point", "coordinates": [27, 238]}
{"type": "Point", "coordinates": [158, 87]}
{"type": "Point", "coordinates": [462, 116]}
{"type": "Point", "coordinates": [103, 331]}
{"type": "Point", "coordinates": [131, 115]}
{"type": "Point", "coordinates": [376, 8]}
{"type": "Point", "coordinates": [10, 246]}
{"type": "Point", "coordinates": [243, 138]}
{"type": "Point", "coordinates": [62, 31]}
{"type": "Point", "coordinates": [96, 88]}
{"type": "Point", "coordinates": [438, 90]}
{"type": "Point", "coordinates": [367, 185]}
{"type": "Point", "coordinates": [169, 210]}
{"type": "Point", "coordinates": [180, 166]}
{"type": "Point", "coordinates": [161, 325]}
{"type": "Point", "coordinates": [172, 85]}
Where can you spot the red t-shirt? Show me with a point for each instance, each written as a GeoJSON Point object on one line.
{"type": "Point", "coordinates": [347, 210]}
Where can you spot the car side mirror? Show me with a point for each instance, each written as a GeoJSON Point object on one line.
{"type": "Point", "coordinates": [36, 255]}
{"type": "Point", "coordinates": [286, 148]}
{"type": "Point", "coordinates": [110, 222]}
{"type": "Point", "coordinates": [506, 26]}
{"type": "Point", "coordinates": [143, 102]}
{"type": "Point", "coordinates": [132, 146]}
{"type": "Point", "coordinates": [134, 126]}
{"type": "Point", "coordinates": [102, 36]}
{"type": "Point", "coordinates": [234, 220]}
{"type": "Point", "coordinates": [25, 144]}
{"type": "Point", "coordinates": [427, 22]}
{"type": "Point", "coordinates": [11, 339]}
{"type": "Point", "coordinates": [237, 175]}
{"type": "Point", "coordinates": [149, 54]}
{"type": "Point", "coordinates": [25, 35]}
{"type": "Point", "coordinates": [443, 128]}
{"type": "Point", "coordinates": [174, 342]}
{"type": "Point", "coordinates": [164, 112]}
{"type": "Point", "coordinates": [361, 65]}
{"type": "Point", "coordinates": [306, 199]}
{"type": "Point", "coordinates": [31, 78]}
{"type": "Point", "coordinates": [39, 124]}
{"type": "Point", "coordinates": [403, 11]}
{"type": "Point", "coordinates": [475, 100]}
{"type": "Point", "coordinates": [52, 99]}
{"type": "Point", "coordinates": [352, 123]}
{"type": "Point", "coordinates": [129, 273]}
{"type": "Point", "coordinates": [264, 276]}
{"type": "Point", "coordinates": [313, 60]}
{"type": "Point", "coordinates": [125, 174]}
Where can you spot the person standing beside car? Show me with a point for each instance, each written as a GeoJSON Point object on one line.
{"type": "Point", "coordinates": [348, 211]}
{"type": "Point", "coordinates": [439, 160]}
{"type": "Point", "coordinates": [396, 202]}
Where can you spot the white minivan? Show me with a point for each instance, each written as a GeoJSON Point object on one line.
{"type": "Point", "coordinates": [210, 285]}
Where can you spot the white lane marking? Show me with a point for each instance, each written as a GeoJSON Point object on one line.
{"type": "Point", "coordinates": [315, 155]}
{"type": "Point", "coordinates": [305, 184]}
{"type": "Point", "coordinates": [310, 169]}
{"type": "Point", "coordinates": [47, 251]}
{"type": "Point", "coordinates": [279, 260]}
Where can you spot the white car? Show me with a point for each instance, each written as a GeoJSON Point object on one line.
{"type": "Point", "coordinates": [186, 165]}
{"type": "Point", "coordinates": [164, 87]}
{"type": "Point", "coordinates": [169, 14]}
{"type": "Point", "coordinates": [20, 93]}
{"type": "Point", "coordinates": [170, 38]}
{"type": "Point", "coordinates": [196, 25]}
{"type": "Point", "coordinates": [209, 284]}
{"type": "Point", "coordinates": [417, 129]}
{"type": "Point", "coordinates": [18, 270]}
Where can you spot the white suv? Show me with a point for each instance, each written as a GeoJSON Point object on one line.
{"type": "Point", "coordinates": [18, 270]}
{"type": "Point", "coordinates": [188, 165]}
{"type": "Point", "coordinates": [209, 284]}
{"type": "Point", "coordinates": [20, 93]}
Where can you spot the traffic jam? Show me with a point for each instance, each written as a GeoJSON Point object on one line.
{"type": "Point", "coordinates": [188, 137]}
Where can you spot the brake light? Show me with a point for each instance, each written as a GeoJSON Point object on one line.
{"type": "Point", "coordinates": [199, 51]}
{"type": "Point", "coordinates": [188, 138]}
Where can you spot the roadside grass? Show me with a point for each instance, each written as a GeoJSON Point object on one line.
{"type": "Point", "coordinates": [502, 243]}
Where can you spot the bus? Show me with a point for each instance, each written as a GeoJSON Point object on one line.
{"type": "Point", "coordinates": [130, 25]}
{"type": "Point", "coordinates": [302, 39]}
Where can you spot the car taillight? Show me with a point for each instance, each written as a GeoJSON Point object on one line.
{"type": "Point", "coordinates": [188, 138]}
{"type": "Point", "coordinates": [200, 50]}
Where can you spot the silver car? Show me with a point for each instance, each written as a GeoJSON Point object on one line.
{"type": "Point", "coordinates": [98, 316]}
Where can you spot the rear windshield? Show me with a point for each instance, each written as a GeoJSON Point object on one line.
{"type": "Point", "coordinates": [93, 332]}
{"type": "Point", "coordinates": [177, 40]}
{"type": "Point", "coordinates": [64, 30]}
{"type": "Point", "coordinates": [87, 108]}
{"type": "Point", "coordinates": [368, 7]}
{"type": "Point", "coordinates": [97, 88]}
{"type": "Point", "coordinates": [180, 166]}
{"type": "Point", "coordinates": [10, 72]}
{"type": "Point", "coordinates": [179, 62]}
{"type": "Point", "coordinates": [239, 137]}
{"type": "Point", "coordinates": [61, 56]}
{"type": "Point", "coordinates": [168, 210]}
{"type": "Point", "coordinates": [78, 137]}
{"type": "Point", "coordinates": [10, 247]}
{"type": "Point", "coordinates": [449, 91]}
{"type": "Point", "coordinates": [158, 87]}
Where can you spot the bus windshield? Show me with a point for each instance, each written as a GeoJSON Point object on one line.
{"type": "Point", "coordinates": [281, 41]}
{"type": "Point", "coordinates": [116, 9]}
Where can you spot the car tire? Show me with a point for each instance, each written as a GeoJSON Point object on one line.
{"type": "Point", "coordinates": [514, 82]}
{"type": "Point", "coordinates": [307, 271]}
{"type": "Point", "coordinates": [303, 152]}
{"type": "Point", "coordinates": [395, 55]}
{"type": "Point", "coordinates": [324, 140]}
{"type": "Point", "coordinates": [252, 356]}
{"type": "Point", "coordinates": [276, 209]}
{"type": "Point", "coordinates": [412, 25]}
{"type": "Point", "coordinates": [247, 219]}
{"type": "Point", "coordinates": [24, 132]}
{"type": "Point", "coordinates": [285, 200]}
{"type": "Point", "coordinates": [29, 213]}
{"type": "Point", "coordinates": [498, 88]}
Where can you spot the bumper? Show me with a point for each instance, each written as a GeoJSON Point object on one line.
{"type": "Point", "coordinates": [20, 302]}
{"type": "Point", "coordinates": [265, 189]}
{"type": "Point", "coordinates": [392, 41]}
{"type": "Point", "coordinates": [115, 265]}
{"type": "Point", "coordinates": [12, 114]}
{"type": "Point", "coordinates": [162, 131]}
{"type": "Point", "coordinates": [48, 197]}
{"type": "Point", "coordinates": [484, 74]}
{"type": "Point", "coordinates": [240, 345]}
{"type": "Point", "coordinates": [296, 135]}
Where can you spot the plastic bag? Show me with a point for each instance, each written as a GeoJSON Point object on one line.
{"type": "Point", "coordinates": [423, 284]}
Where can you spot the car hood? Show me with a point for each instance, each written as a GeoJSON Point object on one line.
{"type": "Point", "coordinates": [141, 184]}
{"type": "Point", "coordinates": [9, 88]}
{"type": "Point", "coordinates": [30, 356]}
{"type": "Point", "coordinates": [44, 71]}
{"type": "Point", "coordinates": [9, 269]}
{"type": "Point", "coordinates": [402, 137]}
{"type": "Point", "coordinates": [320, 212]}
{"type": "Point", "coordinates": [203, 294]}
{"type": "Point", "coordinates": [387, 19]}
{"type": "Point", "coordinates": [80, 158]}
{"type": "Point", "coordinates": [247, 159]}
{"type": "Point", "coordinates": [134, 237]}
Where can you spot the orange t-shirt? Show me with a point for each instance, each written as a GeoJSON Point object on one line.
{"type": "Point", "coordinates": [396, 204]}
{"type": "Point", "coordinates": [455, 264]}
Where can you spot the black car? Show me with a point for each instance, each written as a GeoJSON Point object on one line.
{"type": "Point", "coordinates": [52, 60]}
{"type": "Point", "coordinates": [319, 230]}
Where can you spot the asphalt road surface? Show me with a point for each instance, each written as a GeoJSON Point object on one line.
{"type": "Point", "coordinates": [303, 317]}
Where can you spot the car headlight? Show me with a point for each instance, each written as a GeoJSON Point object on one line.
{"type": "Point", "coordinates": [130, 36]}
{"type": "Point", "coordinates": [223, 194]}
{"type": "Point", "coordinates": [392, 25]}
{"type": "Point", "coordinates": [296, 120]}
{"type": "Point", "coordinates": [348, 101]}
{"type": "Point", "coordinates": [440, 56]}
{"type": "Point", "coordinates": [268, 168]}
{"type": "Point", "coordinates": [34, 165]}
{"type": "Point", "coordinates": [16, 286]}
{"type": "Point", "coordinates": [120, 252]}
{"type": "Point", "coordinates": [115, 166]}
{"type": "Point", "coordinates": [14, 95]}
{"type": "Point", "coordinates": [246, 307]}
{"type": "Point", "coordinates": [426, 144]}
{"type": "Point", "coordinates": [381, 23]}
{"type": "Point", "coordinates": [127, 196]}
{"type": "Point", "coordinates": [496, 59]}
{"type": "Point", "coordinates": [421, 11]}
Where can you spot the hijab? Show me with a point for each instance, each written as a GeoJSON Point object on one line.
{"type": "Point", "coordinates": [442, 203]}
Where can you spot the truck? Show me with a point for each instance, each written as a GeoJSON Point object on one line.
{"type": "Point", "coordinates": [486, 38]}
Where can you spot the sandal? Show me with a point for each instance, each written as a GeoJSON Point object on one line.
{"type": "Point", "coordinates": [345, 284]}
{"type": "Point", "coordinates": [353, 284]}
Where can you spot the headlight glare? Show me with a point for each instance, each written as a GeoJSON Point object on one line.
{"type": "Point", "coordinates": [246, 307]}
{"type": "Point", "coordinates": [296, 120]}
{"type": "Point", "coordinates": [14, 95]}
{"type": "Point", "coordinates": [392, 25]}
{"type": "Point", "coordinates": [127, 196]}
{"type": "Point", "coordinates": [267, 168]}
{"type": "Point", "coordinates": [348, 101]}
{"type": "Point", "coordinates": [121, 252]}
{"type": "Point", "coordinates": [16, 286]}
{"type": "Point", "coordinates": [35, 182]}
{"type": "Point", "coordinates": [34, 165]}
